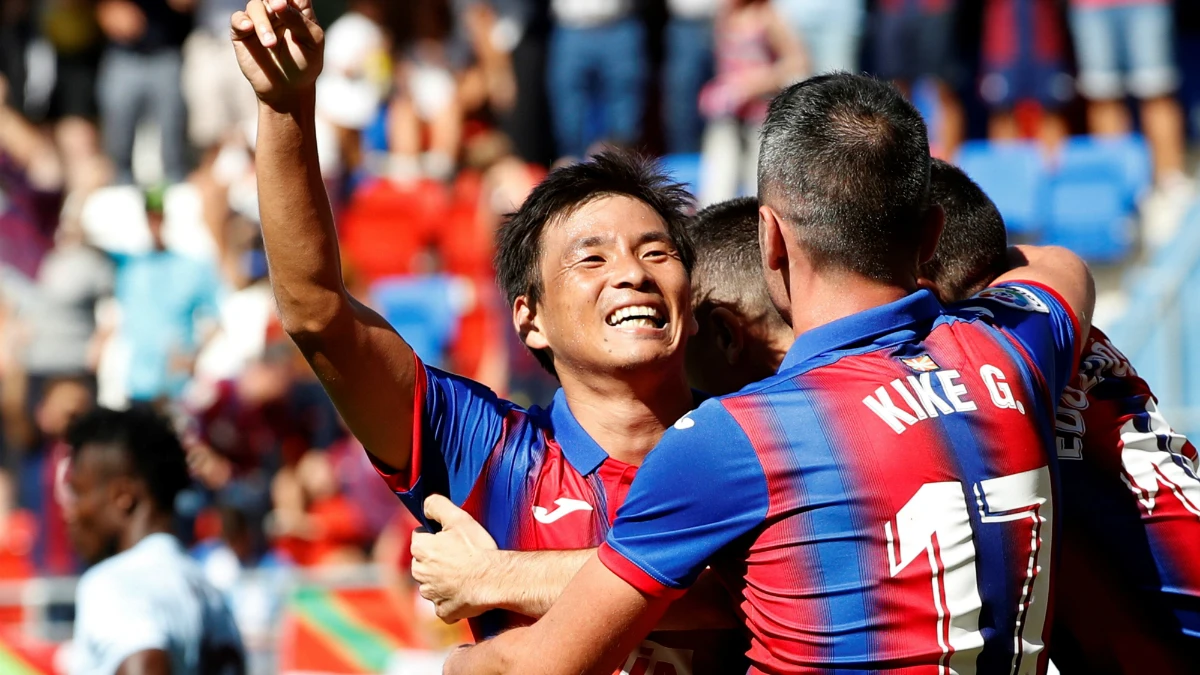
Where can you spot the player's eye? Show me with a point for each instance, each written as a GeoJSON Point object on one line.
{"type": "Point", "coordinates": [657, 254]}
{"type": "Point", "coordinates": [593, 260]}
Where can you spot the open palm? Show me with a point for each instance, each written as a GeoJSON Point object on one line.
{"type": "Point", "coordinates": [280, 47]}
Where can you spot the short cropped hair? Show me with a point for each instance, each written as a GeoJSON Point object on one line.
{"type": "Point", "coordinates": [565, 190]}
{"type": "Point", "coordinates": [148, 442]}
{"type": "Point", "coordinates": [845, 161]}
{"type": "Point", "coordinates": [728, 267]}
{"type": "Point", "coordinates": [973, 249]}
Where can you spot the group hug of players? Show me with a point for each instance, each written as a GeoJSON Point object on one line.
{"type": "Point", "coordinates": [918, 455]}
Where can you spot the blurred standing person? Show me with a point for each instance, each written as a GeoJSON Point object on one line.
{"type": "Point", "coordinates": [757, 55]}
{"type": "Point", "coordinates": [142, 71]}
{"type": "Point", "coordinates": [71, 28]}
{"type": "Point", "coordinates": [144, 606]}
{"type": "Point", "coordinates": [689, 65]}
{"type": "Point", "coordinates": [1126, 47]}
{"type": "Point", "coordinates": [597, 59]}
{"type": "Point", "coordinates": [831, 31]}
{"type": "Point", "coordinates": [1025, 64]}
{"type": "Point", "coordinates": [916, 39]}
{"type": "Point", "coordinates": [522, 29]}
{"type": "Point", "coordinates": [218, 100]}
{"type": "Point", "coordinates": [73, 280]}
{"type": "Point", "coordinates": [163, 299]}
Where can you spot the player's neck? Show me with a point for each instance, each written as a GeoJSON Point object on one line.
{"type": "Point", "coordinates": [826, 297]}
{"type": "Point", "coordinates": [627, 417]}
{"type": "Point", "coordinates": [142, 525]}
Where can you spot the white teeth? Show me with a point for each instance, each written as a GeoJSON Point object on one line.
{"type": "Point", "coordinates": [647, 316]}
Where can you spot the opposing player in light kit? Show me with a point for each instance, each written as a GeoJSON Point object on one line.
{"type": "Point", "coordinates": [595, 264]}
{"type": "Point", "coordinates": [1127, 597]}
{"type": "Point", "coordinates": [143, 607]}
{"type": "Point", "coordinates": [884, 501]}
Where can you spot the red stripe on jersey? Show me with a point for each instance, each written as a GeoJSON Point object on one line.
{"type": "Point", "coordinates": [634, 576]}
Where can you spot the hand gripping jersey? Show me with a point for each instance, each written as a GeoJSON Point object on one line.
{"type": "Point", "coordinates": [153, 596]}
{"type": "Point", "coordinates": [884, 502]}
{"type": "Point", "coordinates": [536, 481]}
{"type": "Point", "coordinates": [1128, 594]}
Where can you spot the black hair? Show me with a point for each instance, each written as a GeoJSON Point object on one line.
{"type": "Point", "coordinates": [973, 249]}
{"type": "Point", "coordinates": [148, 442]}
{"type": "Point", "coordinates": [561, 193]}
{"type": "Point", "coordinates": [728, 263]}
{"type": "Point", "coordinates": [845, 160]}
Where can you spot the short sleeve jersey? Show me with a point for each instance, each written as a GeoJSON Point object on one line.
{"type": "Point", "coordinates": [1128, 594]}
{"type": "Point", "coordinates": [885, 502]}
{"type": "Point", "coordinates": [153, 597]}
{"type": "Point", "coordinates": [535, 480]}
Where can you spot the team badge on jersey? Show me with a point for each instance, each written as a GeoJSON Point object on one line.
{"type": "Point", "coordinates": [1015, 297]}
{"type": "Point", "coordinates": [921, 364]}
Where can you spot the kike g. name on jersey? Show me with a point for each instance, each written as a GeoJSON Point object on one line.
{"type": "Point", "coordinates": [536, 481]}
{"type": "Point", "coordinates": [885, 502]}
{"type": "Point", "coordinates": [1129, 592]}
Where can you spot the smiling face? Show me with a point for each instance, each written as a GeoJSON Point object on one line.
{"type": "Point", "coordinates": [615, 295]}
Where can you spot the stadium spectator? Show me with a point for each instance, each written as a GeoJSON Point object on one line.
{"type": "Point", "coordinates": [71, 29]}
{"type": "Point", "coordinates": [18, 531]}
{"type": "Point", "coordinates": [1024, 64]}
{"type": "Point", "coordinates": [1126, 47]}
{"type": "Point", "coordinates": [143, 605]}
{"type": "Point", "coordinates": [218, 101]}
{"type": "Point", "coordinates": [73, 280]}
{"type": "Point", "coordinates": [915, 39]}
{"type": "Point", "coordinates": [688, 65]}
{"type": "Point", "coordinates": [830, 31]}
{"type": "Point", "coordinates": [165, 299]}
{"type": "Point", "coordinates": [756, 55]}
{"type": "Point", "coordinates": [597, 62]}
{"type": "Point", "coordinates": [313, 520]}
{"type": "Point", "coordinates": [60, 402]}
{"type": "Point", "coordinates": [141, 71]}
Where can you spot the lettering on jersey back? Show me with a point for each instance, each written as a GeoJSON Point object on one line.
{"type": "Point", "coordinates": [917, 398]}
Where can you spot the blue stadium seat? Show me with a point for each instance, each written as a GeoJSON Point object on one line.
{"type": "Point", "coordinates": [1088, 207]}
{"type": "Point", "coordinates": [1011, 174]}
{"type": "Point", "coordinates": [426, 310]}
{"type": "Point", "coordinates": [1129, 152]}
{"type": "Point", "coordinates": [684, 168]}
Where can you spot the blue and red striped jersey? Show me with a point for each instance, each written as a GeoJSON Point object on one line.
{"type": "Point", "coordinates": [885, 502]}
{"type": "Point", "coordinates": [536, 481]}
{"type": "Point", "coordinates": [1129, 584]}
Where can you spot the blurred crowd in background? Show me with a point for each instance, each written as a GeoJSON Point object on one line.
{"type": "Point", "coordinates": [131, 264]}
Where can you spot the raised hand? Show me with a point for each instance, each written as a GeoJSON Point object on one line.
{"type": "Point", "coordinates": [452, 565]}
{"type": "Point", "coordinates": [279, 47]}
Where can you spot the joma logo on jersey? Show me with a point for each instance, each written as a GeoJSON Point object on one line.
{"type": "Point", "coordinates": [565, 506]}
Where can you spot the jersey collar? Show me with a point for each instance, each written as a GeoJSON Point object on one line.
{"type": "Point", "coordinates": [863, 327]}
{"type": "Point", "coordinates": [584, 454]}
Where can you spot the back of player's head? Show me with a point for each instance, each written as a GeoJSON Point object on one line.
{"type": "Point", "coordinates": [728, 265]}
{"type": "Point", "coordinates": [564, 191]}
{"type": "Point", "coordinates": [147, 442]}
{"type": "Point", "coordinates": [845, 161]}
{"type": "Point", "coordinates": [972, 250]}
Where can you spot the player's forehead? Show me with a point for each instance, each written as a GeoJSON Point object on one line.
{"type": "Point", "coordinates": [95, 463]}
{"type": "Point", "coordinates": [607, 220]}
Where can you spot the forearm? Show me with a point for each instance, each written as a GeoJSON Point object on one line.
{"type": "Point", "coordinates": [297, 222]}
{"type": "Point", "coordinates": [1061, 270]}
{"type": "Point", "coordinates": [530, 582]}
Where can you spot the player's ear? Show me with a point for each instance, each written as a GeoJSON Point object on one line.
{"type": "Point", "coordinates": [771, 239]}
{"type": "Point", "coordinates": [528, 324]}
{"type": "Point", "coordinates": [729, 334]}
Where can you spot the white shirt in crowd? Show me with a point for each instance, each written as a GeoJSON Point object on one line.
{"type": "Point", "coordinates": [153, 596]}
{"type": "Point", "coordinates": [589, 13]}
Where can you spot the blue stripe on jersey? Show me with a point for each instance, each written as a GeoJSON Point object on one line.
{"type": "Point", "coordinates": [836, 540]}
{"type": "Point", "coordinates": [508, 476]}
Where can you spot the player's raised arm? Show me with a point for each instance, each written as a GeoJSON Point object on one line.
{"type": "Point", "coordinates": [364, 365]}
{"type": "Point", "coordinates": [1061, 271]}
